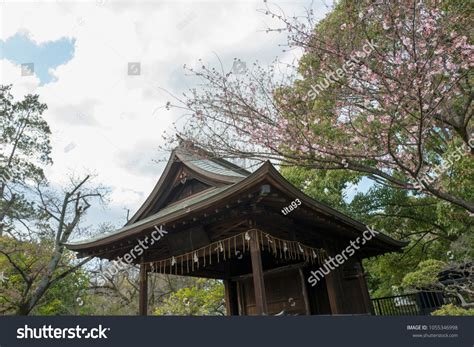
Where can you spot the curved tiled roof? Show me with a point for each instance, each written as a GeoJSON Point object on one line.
{"type": "Point", "coordinates": [207, 198]}
{"type": "Point", "coordinates": [178, 206]}
{"type": "Point", "coordinates": [209, 164]}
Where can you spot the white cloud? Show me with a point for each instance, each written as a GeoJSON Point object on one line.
{"type": "Point", "coordinates": [106, 121]}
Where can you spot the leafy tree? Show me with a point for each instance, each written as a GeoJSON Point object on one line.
{"type": "Point", "coordinates": [30, 259]}
{"type": "Point", "coordinates": [425, 275]}
{"type": "Point", "coordinates": [35, 220]}
{"type": "Point", "coordinates": [435, 229]}
{"type": "Point", "coordinates": [36, 254]}
{"type": "Point", "coordinates": [65, 297]}
{"type": "Point", "coordinates": [455, 279]}
{"type": "Point", "coordinates": [329, 187]}
{"type": "Point", "coordinates": [25, 148]}
{"type": "Point", "coordinates": [205, 297]}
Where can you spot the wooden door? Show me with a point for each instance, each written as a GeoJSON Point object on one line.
{"type": "Point", "coordinates": [283, 290]}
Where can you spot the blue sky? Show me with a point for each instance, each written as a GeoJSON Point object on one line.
{"type": "Point", "coordinates": [20, 49]}
{"type": "Point", "coordinates": [362, 187]}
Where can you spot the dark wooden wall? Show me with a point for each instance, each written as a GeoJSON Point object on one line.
{"type": "Point", "coordinates": [285, 291]}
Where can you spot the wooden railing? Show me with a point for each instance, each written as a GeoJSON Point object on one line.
{"type": "Point", "coordinates": [414, 304]}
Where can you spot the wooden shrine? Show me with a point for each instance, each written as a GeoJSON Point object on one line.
{"type": "Point", "coordinates": [226, 223]}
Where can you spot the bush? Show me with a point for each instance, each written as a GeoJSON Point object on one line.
{"type": "Point", "coordinates": [425, 275]}
{"type": "Point", "coordinates": [204, 298]}
{"type": "Point", "coordinates": [452, 310]}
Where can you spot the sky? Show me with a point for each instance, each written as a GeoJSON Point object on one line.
{"type": "Point", "coordinates": [106, 69]}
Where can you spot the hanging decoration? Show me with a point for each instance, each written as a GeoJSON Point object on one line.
{"type": "Point", "coordinates": [222, 250]}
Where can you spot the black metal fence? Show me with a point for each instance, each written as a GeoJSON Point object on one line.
{"type": "Point", "coordinates": [415, 304]}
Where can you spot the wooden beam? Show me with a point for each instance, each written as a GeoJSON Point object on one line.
{"type": "Point", "coordinates": [271, 271]}
{"type": "Point", "coordinates": [143, 295]}
{"type": "Point", "coordinates": [257, 271]}
{"type": "Point", "coordinates": [304, 292]}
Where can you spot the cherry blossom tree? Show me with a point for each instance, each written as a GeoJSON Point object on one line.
{"type": "Point", "coordinates": [383, 88]}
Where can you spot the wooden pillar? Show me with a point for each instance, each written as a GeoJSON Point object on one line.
{"type": "Point", "coordinates": [257, 273]}
{"type": "Point", "coordinates": [143, 295]}
{"type": "Point", "coordinates": [231, 300]}
{"type": "Point", "coordinates": [333, 283]}
{"type": "Point", "coordinates": [304, 292]}
{"type": "Point", "coordinates": [369, 308]}
{"type": "Point", "coordinates": [240, 300]}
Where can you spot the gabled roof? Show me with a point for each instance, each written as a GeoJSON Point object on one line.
{"type": "Point", "coordinates": [150, 221]}
{"type": "Point", "coordinates": [206, 199]}
{"type": "Point", "coordinates": [215, 172]}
